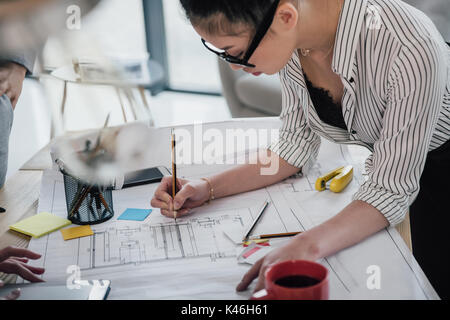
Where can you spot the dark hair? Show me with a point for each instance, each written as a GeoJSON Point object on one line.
{"type": "Point", "coordinates": [219, 16]}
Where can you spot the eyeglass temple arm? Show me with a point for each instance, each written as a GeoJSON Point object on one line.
{"type": "Point", "coordinates": [267, 21]}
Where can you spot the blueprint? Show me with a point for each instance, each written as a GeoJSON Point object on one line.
{"type": "Point", "coordinates": [194, 259]}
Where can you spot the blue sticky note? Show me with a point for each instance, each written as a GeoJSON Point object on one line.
{"type": "Point", "coordinates": [135, 214]}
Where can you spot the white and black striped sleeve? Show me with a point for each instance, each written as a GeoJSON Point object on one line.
{"type": "Point", "coordinates": [414, 99]}
{"type": "Point", "coordinates": [297, 143]}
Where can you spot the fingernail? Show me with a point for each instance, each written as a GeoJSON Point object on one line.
{"type": "Point", "coordinates": [176, 205]}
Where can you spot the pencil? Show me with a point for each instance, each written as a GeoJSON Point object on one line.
{"type": "Point", "coordinates": [174, 172]}
{"type": "Point", "coordinates": [275, 235]}
{"type": "Point", "coordinates": [261, 211]}
{"type": "Point", "coordinates": [105, 204]}
{"type": "Point", "coordinates": [80, 200]}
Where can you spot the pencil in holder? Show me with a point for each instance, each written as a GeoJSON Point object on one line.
{"type": "Point", "coordinates": [87, 203]}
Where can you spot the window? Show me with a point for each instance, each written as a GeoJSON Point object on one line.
{"type": "Point", "coordinates": [175, 44]}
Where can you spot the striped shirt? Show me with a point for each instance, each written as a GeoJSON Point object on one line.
{"type": "Point", "coordinates": [395, 68]}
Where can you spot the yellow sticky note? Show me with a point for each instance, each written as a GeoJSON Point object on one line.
{"type": "Point", "coordinates": [77, 232]}
{"type": "Point", "coordinates": [40, 224]}
{"type": "Point", "coordinates": [257, 241]}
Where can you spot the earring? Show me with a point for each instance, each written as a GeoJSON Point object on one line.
{"type": "Point", "coordinates": [305, 52]}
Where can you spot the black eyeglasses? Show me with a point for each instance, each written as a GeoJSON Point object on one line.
{"type": "Point", "coordinates": [259, 35]}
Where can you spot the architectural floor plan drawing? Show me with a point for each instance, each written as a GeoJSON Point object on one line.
{"type": "Point", "coordinates": [136, 243]}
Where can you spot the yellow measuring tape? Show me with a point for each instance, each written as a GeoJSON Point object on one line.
{"type": "Point", "coordinates": [339, 177]}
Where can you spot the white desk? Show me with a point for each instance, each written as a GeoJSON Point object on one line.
{"type": "Point", "coordinates": [401, 279]}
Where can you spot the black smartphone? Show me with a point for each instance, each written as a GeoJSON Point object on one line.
{"type": "Point", "coordinates": [145, 176]}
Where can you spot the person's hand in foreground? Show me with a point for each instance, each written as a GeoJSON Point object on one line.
{"type": "Point", "coordinates": [14, 260]}
{"type": "Point", "coordinates": [296, 249]}
{"type": "Point", "coordinates": [191, 194]}
{"type": "Point", "coordinates": [11, 80]}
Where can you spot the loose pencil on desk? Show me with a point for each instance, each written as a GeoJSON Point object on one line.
{"type": "Point", "coordinates": [174, 172]}
{"type": "Point", "coordinates": [250, 229]}
{"type": "Point", "coordinates": [274, 235]}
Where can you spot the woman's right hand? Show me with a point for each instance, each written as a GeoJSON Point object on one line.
{"type": "Point", "coordinates": [190, 194]}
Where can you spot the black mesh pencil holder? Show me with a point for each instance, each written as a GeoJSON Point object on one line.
{"type": "Point", "coordinates": [87, 204]}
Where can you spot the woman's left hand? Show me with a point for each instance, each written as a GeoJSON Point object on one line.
{"type": "Point", "coordinates": [298, 248]}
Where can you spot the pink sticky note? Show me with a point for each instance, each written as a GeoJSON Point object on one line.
{"type": "Point", "coordinates": [250, 252]}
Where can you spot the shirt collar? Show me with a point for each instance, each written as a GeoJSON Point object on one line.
{"type": "Point", "coordinates": [348, 31]}
{"type": "Point", "coordinates": [347, 36]}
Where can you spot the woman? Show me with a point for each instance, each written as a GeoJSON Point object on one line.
{"type": "Point", "coordinates": [369, 72]}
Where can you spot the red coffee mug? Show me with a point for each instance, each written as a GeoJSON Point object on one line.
{"type": "Point", "coordinates": [274, 291]}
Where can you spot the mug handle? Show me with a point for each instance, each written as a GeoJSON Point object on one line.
{"type": "Point", "coordinates": [263, 295]}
